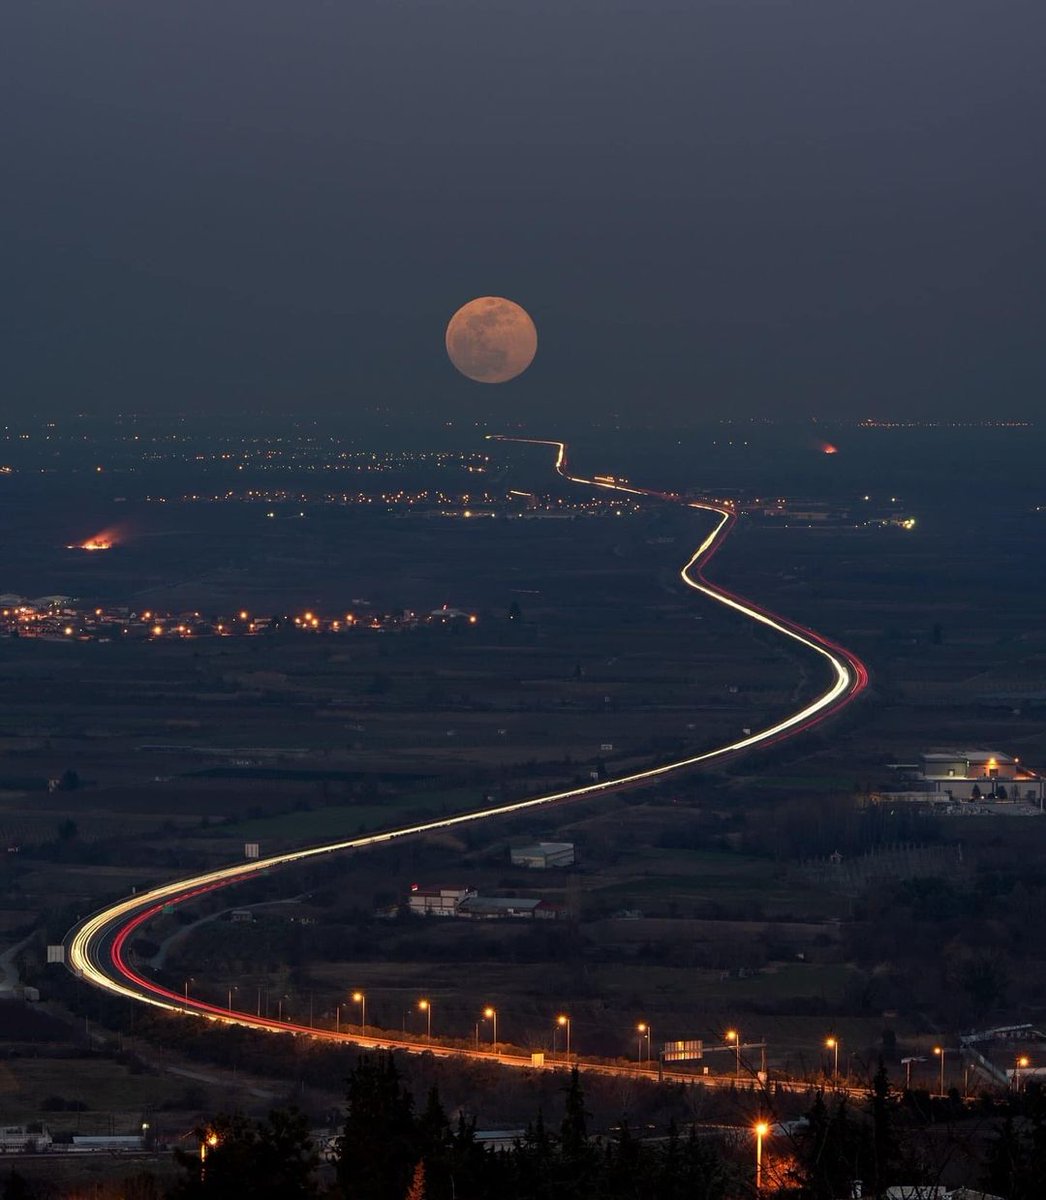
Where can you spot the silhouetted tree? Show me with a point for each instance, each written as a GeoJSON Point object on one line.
{"type": "Point", "coordinates": [273, 1159]}
{"type": "Point", "coordinates": [379, 1144]}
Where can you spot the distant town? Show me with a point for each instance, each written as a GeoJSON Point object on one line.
{"type": "Point", "coordinates": [60, 618]}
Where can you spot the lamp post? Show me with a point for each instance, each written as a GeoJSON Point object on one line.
{"type": "Point", "coordinates": [492, 1015]}
{"type": "Point", "coordinates": [360, 999]}
{"type": "Point", "coordinates": [734, 1035]}
{"type": "Point", "coordinates": [643, 1029]}
{"type": "Point", "coordinates": [337, 1019]}
{"type": "Point", "coordinates": [908, 1069]}
{"type": "Point", "coordinates": [761, 1130]}
{"type": "Point", "coordinates": [563, 1021]}
{"type": "Point", "coordinates": [940, 1051]}
{"type": "Point", "coordinates": [1023, 1062]}
{"type": "Point", "coordinates": [425, 1006]}
{"type": "Point", "coordinates": [186, 988]}
{"type": "Point", "coordinates": [231, 990]}
{"type": "Point", "coordinates": [832, 1043]}
{"type": "Point", "coordinates": [208, 1143]}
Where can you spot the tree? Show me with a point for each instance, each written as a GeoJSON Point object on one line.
{"type": "Point", "coordinates": [577, 1160]}
{"type": "Point", "coordinates": [885, 1147]}
{"type": "Point", "coordinates": [379, 1145]}
{"type": "Point", "coordinates": [272, 1159]}
{"type": "Point", "coordinates": [829, 1151]}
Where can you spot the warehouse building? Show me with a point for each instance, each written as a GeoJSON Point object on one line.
{"type": "Point", "coordinates": [542, 855]}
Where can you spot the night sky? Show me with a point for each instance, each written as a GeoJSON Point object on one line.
{"type": "Point", "coordinates": [709, 208]}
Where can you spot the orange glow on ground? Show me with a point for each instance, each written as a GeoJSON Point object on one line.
{"type": "Point", "coordinates": [106, 539]}
{"type": "Point", "coordinates": [828, 448]}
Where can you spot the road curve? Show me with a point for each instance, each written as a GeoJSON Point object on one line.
{"type": "Point", "coordinates": [97, 949]}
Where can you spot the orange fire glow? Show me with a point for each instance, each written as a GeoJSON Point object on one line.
{"type": "Point", "coordinates": [828, 448]}
{"type": "Point", "coordinates": [105, 540]}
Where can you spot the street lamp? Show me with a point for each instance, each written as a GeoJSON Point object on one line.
{"type": "Point", "coordinates": [231, 990]}
{"type": "Point", "coordinates": [492, 1015]}
{"type": "Point", "coordinates": [832, 1043]}
{"type": "Point", "coordinates": [1023, 1062]}
{"type": "Point", "coordinates": [908, 1069]}
{"type": "Point", "coordinates": [360, 999]}
{"type": "Point", "coordinates": [425, 1006]}
{"type": "Point", "coordinates": [208, 1143]}
{"type": "Point", "coordinates": [761, 1130]}
{"type": "Point", "coordinates": [564, 1021]}
{"type": "Point", "coordinates": [940, 1051]}
{"type": "Point", "coordinates": [734, 1035]}
{"type": "Point", "coordinates": [643, 1029]}
{"type": "Point", "coordinates": [191, 979]}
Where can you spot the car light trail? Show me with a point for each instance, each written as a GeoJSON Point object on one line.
{"type": "Point", "coordinates": [97, 948]}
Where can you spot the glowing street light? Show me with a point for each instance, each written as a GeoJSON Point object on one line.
{"type": "Point", "coordinates": [207, 1143]}
{"type": "Point", "coordinates": [832, 1043]}
{"type": "Point", "coordinates": [360, 999]}
{"type": "Point", "coordinates": [425, 1006]}
{"type": "Point", "coordinates": [1023, 1062]}
{"type": "Point", "coordinates": [491, 1015]}
{"type": "Point", "coordinates": [734, 1035]}
{"type": "Point", "coordinates": [564, 1022]}
{"type": "Point", "coordinates": [761, 1130]}
{"type": "Point", "coordinates": [940, 1051]}
{"type": "Point", "coordinates": [643, 1029]}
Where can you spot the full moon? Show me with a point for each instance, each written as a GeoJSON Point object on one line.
{"type": "Point", "coordinates": [491, 339]}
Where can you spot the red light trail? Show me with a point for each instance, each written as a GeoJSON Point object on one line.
{"type": "Point", "coordinates": [97, 947]}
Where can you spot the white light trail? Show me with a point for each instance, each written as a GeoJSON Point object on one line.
{"type": "Point", "coordinates": [87, 942]}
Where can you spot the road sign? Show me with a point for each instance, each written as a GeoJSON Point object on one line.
{"type": "Point", "coordinates": [683, 1051]}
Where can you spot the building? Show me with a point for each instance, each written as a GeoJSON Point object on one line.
{"type": "Point", "coordinates": [495, 908]}
{"type": "Point", "coordinates": [24, 1139]}
{"type": "Point", "coordinates": [542, 855]}
{"type": "Point", "coordinates": [970, 775]}
{"type": "Point", "coordinates": [438, 901]}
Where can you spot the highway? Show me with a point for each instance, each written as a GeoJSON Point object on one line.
{"type": "Point", "coordinates": [97, 949]}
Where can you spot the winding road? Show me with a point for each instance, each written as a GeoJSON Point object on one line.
{"type": "Point", "coordinates": [97, 949]}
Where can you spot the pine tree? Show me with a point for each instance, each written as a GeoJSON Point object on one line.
{"type": "Point", "coordinates": [577, 1161]}
{"type": "Point", "coordinates": [379, 1144]}
{"type": "Point", "coordinates": [272, 1159]}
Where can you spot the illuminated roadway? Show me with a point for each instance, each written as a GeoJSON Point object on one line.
{"type": "Point", "coordinates": [98, 948]}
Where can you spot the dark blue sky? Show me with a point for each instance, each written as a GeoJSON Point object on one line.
{"type": "Point", "coordinates": [710, 208]}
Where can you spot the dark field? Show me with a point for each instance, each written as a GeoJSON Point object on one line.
{"type": "Point", "coordinates": [690, 907]}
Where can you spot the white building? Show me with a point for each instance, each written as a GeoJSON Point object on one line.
{"type": "Point", "coordinates": [972, 775]}
{"type": "Point", "coordinates": [19, 1139]}
{"type": "Point", "coordinates": [438, 901]}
